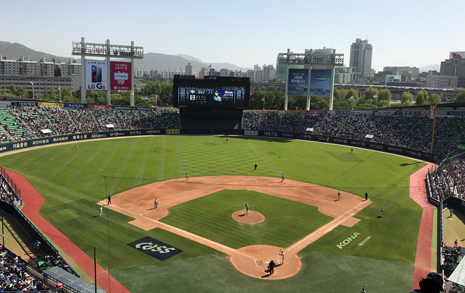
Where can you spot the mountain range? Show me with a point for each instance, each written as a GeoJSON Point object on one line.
{"type": "Point", "coordinates": [13, 51]}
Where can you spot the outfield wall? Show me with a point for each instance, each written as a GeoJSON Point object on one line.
{"type": "Point", "coordinates": [252, 133]}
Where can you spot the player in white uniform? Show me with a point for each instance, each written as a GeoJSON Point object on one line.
{"type": "Point", "coordinates": [187, 176]}
{"type": "Point", "coordinates": [100, 211]}
{"type": "Point", "coordinates": [156, 203]}
{"type": "Point", "coordinates": [281, 253]}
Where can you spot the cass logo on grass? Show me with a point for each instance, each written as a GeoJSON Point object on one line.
{"type": "Point", "coordinates": [155, 248]}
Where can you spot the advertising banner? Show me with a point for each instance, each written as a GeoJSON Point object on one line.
{"type": "Point", "coordinates": [5, 104]}
{"type": "Point", "coordinates": [297, 82]}
{"type": "Point", "coordinates": [432, 111]}
{"type": "Point", "coordinates": [317, 112]}
{"type": "Point", "coordinates": [457, 55]}
{"type": "Point", "coordinates": [120, 73]}
{"type": "Point", "coordinates": [320, 83]}
{"type": "Point", "coordinates": [108, 107]}
{"type": "Point", "coordinates": [75, 106]}
{"type": "Point", "coordinates": [96, 75]}
{"type": "Point", "coordinates": [54, 105]}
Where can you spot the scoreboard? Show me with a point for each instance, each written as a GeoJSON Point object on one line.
{"type": "Point", "coordinates": [211, 92]}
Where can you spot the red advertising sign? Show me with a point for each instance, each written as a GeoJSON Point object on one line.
{"type": "Point", "coordinates": [317, 112]}
{"type": "Point", "coordinates": [432, 111]}
{"type": "Point", "coordinates": [99, 107]}
{"type": "Point", "coordinates": [120, 73]}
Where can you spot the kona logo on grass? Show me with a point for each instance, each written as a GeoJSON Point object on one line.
{"type": "Point", "coordinates": [348, 240]}
{"type": "Point", "coordinates": [155, 248]}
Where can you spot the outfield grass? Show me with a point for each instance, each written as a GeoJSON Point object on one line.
{"type": "Point", "coordinates": [209, 216]}
{"type": "Point", "coordinates": [73, 181]}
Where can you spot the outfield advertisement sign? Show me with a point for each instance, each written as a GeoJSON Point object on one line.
{"type": "Point", "coordinates": [96, 75]}
{"type": "Point", "coordinates": [297, 82]}
{"type": "Point", "coordinates": [320, 83]}
{"type": "Point", "coordinates": [155, 248]}
{"type": "Point", "coordinates": [120, 73]}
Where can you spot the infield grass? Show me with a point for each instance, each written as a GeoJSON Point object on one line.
{"type": "Point", "coordinates": [73, 181]}
{"type": "Point", "coordinates": [209, 216]}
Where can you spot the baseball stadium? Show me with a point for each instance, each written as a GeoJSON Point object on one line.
{"type": "Point", "coordinates": [202, 199]}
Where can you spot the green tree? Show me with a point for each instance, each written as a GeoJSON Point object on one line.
{"type": "Point", "coordinates": [51, 95]}
{"type": "Point", "coordinates": [460, 97]}
{"type": "Point", "coordinates": [21, 92]}
{"type": "Point", "coordinates": [319, 103]}
{"type": "Point", "coordinates": [368, 96]}
{"type": "Point", "coordinates": [406, 99]}
{"type": "Point", "coordinates": [368, 106]}
{"type": "Point", "coordinates": [384, 95]}
{"type": "Point", "coordinates": [434, 99]}
{"type": "Point", "coordinates": [94, 97]}
{"type": "Point", "coordinates": [342, 105]}
{"type": "Point", "coordinates": [422, 98]}
{"type": "Point", "coordinates": [383, 104]}
{"type": "Point", "coordinates": [13, 89]}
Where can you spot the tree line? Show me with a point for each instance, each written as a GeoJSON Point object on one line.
{"type": "Point", "coordinates": [159, 93]}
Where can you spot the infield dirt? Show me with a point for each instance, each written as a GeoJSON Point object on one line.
{"type": "Point", "coordinates": [253, 260]}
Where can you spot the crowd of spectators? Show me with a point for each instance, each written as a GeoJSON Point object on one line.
{"type": "Point", "coordinates": [7, 193]}
{"type": "Point", "coordinates": [13, 276]}
{"type": "Point", "coordinates": [438, 184]}
{"type": "Point", "coordinates": [408, 131]}
{"type": "Point", "coordinates": [22, 123]}
{"type": "Point", "coordinates": [269, 122]}
{"type": "Point", "coordinates": [457, 172]}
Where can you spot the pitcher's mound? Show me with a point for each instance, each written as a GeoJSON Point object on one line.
{"type": "Point", "coordinates": [252, 218]}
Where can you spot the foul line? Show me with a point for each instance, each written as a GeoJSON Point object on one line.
{"type": "Point", "coordinates": [336, 222]}
{"type": "Point", "coordinates": [181, 232]}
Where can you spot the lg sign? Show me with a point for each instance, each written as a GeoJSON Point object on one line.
{"type": "Point", "coordinates": [96, 75]}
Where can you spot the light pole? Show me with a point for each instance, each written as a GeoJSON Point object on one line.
{"type": "Point", "coordinates": [376, 97]}
{"type": "Point", "coordinates": [263, 100]}
{"type": "Point", "coordinates": [59, 88]}
{"type": "Point", "coordinates": [32, 89]}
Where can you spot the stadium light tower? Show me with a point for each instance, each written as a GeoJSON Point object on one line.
{"type": "Point", "coordinates": [32, 89]}
{"type": "Point", "coordinates": [320, 59]}
{"type": "Point", "coordinates": [106, 51]}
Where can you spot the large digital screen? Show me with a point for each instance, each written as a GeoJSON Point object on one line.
{"type": "Point", "coordinates": [211, 92]}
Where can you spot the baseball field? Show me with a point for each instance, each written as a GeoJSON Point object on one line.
{"type": "Point", "coordinates": [210, 245]}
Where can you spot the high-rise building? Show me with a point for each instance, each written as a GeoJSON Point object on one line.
{"type": "Point", "coordinates": [455, 66]}
{"type": "Point", "coordinates": [360, 58]}
{"type": "Point", "coordinates": [203, 72]}
{"type": "Point", "coordinates": [188, 69]}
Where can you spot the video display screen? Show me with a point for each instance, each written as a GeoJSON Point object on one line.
{"type": "Point", "coordinates": [211, 93]}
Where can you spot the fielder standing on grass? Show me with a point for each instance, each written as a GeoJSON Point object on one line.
{"type": "Point", "coordinates": [381, 213]}
{"type": "Point", "coordinates": [100, 211]}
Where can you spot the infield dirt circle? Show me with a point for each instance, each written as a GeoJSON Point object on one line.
{"type": "Point", "coordinates": [252, 218]}
{"type": "Point", "coordinates": [253, 260]}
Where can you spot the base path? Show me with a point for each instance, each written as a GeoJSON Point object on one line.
{"type": "Point", "coordinates": [425, 235]}
{"type": "Point", "coordinates": [251, 260]}
{"type": "Point", "coordinates": [33, 201]}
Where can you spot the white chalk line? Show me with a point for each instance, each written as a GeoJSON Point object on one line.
{"type": "Point", "coordinates": [213, 243]}
{"type": "Point", "coordinates": [336, 222]}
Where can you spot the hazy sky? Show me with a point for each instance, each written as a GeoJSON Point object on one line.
{"type": "Point", "coordinates": [243, 32]}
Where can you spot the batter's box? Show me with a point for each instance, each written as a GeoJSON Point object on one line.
{"type": "Point", "coordinates": [155, 248]}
